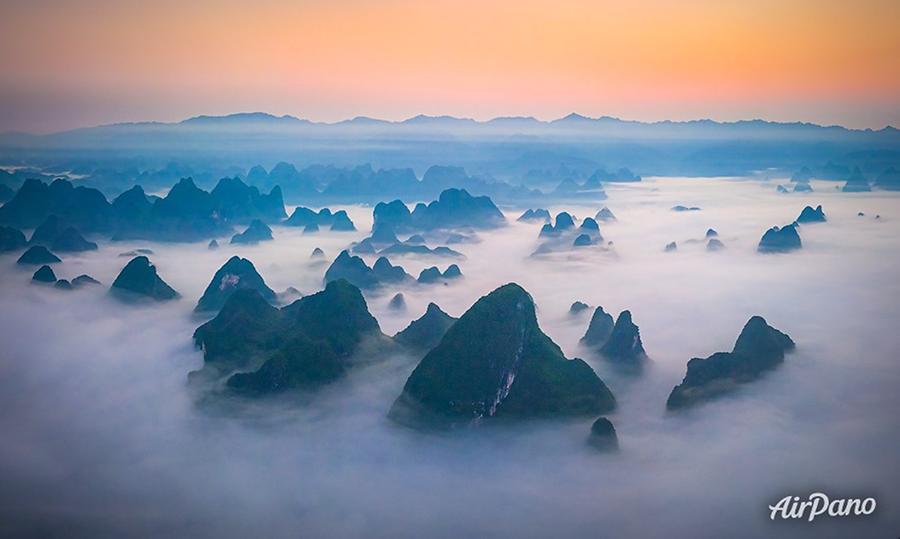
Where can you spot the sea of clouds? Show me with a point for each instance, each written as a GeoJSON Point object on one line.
{"type": "Point", "coordinates": [102, 436]}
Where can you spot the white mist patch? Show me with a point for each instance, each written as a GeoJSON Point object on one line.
{"type": "Point", "coordinates": [102, 436]}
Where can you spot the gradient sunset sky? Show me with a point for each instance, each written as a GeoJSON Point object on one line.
{"type": "Point", "coordinates": [69, 64]}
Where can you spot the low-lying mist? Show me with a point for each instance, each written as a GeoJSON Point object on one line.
{"type": "Point", "coordinates": [102, 436]}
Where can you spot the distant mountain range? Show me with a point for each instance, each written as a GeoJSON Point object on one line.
{"type": "Point", "coordinates": [573, 120]}
{"type": "Point", "coordinates": [244, 118]}
{"type": "Point", "coordinates": [520, 150]}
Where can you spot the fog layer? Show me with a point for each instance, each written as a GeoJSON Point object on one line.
{"type": "Point", "coordinates": [101, 435]}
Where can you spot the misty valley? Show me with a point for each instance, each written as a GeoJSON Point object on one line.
{"type": "Point", "coordinates": [446, 355]}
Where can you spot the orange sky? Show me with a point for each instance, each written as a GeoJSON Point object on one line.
{"type": "Point", "coordinates": [68, 63]}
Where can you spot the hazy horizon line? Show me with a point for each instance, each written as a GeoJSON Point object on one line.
{"type": "Point", "coordinates": [248, 116]}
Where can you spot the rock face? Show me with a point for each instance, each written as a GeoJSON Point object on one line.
{"type": "Point", "coordinates": [564, 221]}
{"type": "Point", "coordinates": [315, 339]}
{"type": "Point", "coordinates": [300, 362]}
{"type": "Point", "coordinates": [394, 215]}
{"type": "Point", "coordinates": [236, 274]}
{"type": "Point", "coordinates": [759, 348]}
{"type": "Point", "coordinates": [680, 208]}
{"type": "Point", "coordinates": [236, 201]}
{"type": "Point", "coordinates": [780, 240]}
{"type": "Point", "coordinates": [578, 307]}
{"type": "Point", "coordinates": [547, 230]}
{"type": "Point", "coordinates": [353, 269]}
{"type": "Point", "coordinates": [255, 233]}
{"type": "Point", "coordinates": [427, 331]}
{"type": "Point", "coordinates": [539, 215]}
{"type": "Point", "coordinates": [363, 181]}
{"type": "Point", "coordinates": [297, 184]}
{"type": "Point", "coordinates": [711, 233]}
{"type": "Point", "coordinates": [242, 334]}
{"type": "Point", "coordinates": [411, 249]}
{"type": "Point", "coordinates": [383, 234]}
{"type": "Point", "coordinates": [341, 222]}
{"type": "Point", "coordinates": [184, 203]}
{"type": "Point", "coordinates": [496, 362]}
{"type": "Point", "coordinates": [186, 213]}
{"type": "Point", "coordinates": [589, 225]}
{"type": "Point", "coordinates": [592, 187]}
{"type": "Point", "coordinates": [452, 272]}
{"type": "Point", "coordinates": [285, 174]}
{"type": "Point", "coordinates": [671, 246]}
{"type": "Point", "coordinates": [63, 284]}
{"type": "Point", "coordinates": [453, 208]}
{"type": "Point", "coordinates": [212, 245]}
{"type": "Point", "coordinates": [397, 303]}
{"type": "Point", "coordinates": [605, 215]}
{"type": "Point", "coordinates": [385, 272]}
{"type": "Point", "coordinates": [364, 247]}
{"type": "Point", "coordinates": [288, 295]}
{"type": "Point", "coordinates": [138, 279]}
{"type": "Point", "coordinates": [317, 253]}
{"type": "Point", "coordinates": [457, 208]}
{"type": "Point", "coordinates": [311, 221]}
{"type": "Point", "coordinates": [857, 183]}
{"type": "Point", "coordinates": [599, 330]}
{"type": "Point", "coordinates": [44, 275]}
{"type": "Point", "coordinates": [809, 215]}
{"type": "Point", "coordinates": [433, 274]}
{"type": "Point", "coordinates": [47, 231]}
{"type": "Point", "coordinates": [37, 255]}
{"type": "Point", "coordinates": [803, 187]}
{"type": "Point", "coordinates": [714, 244]}
{"type": "Point", "coordinates": [781, 189]}
{"type": "Point", "coordinates": [11, 239]}
{"type": "Point", "coordinates": [603, 435]}
{"type": "Point", "coordinates": [564, 235]}
{"type": "Point", "coordinates": [302, 217]}
{"type": "Point", "coordinates": [133, 208]}
{"type": "Point", "coordinates": [35, 200]}
{"type": "Point", "coordinates": [429, 275]}
{"type": "Point", "coordinates": [70, 240]}
{"type": "Point", "coordinates": [583, 240]}
{"type": "Point", "coordinates": [624, 343]}
{"type": "Point", "coordinates": [84, 280]}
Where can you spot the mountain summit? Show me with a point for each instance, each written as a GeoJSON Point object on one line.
{"type": "Point", "coordinates": [496, 362]}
